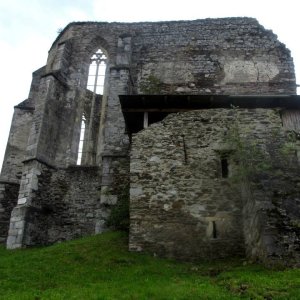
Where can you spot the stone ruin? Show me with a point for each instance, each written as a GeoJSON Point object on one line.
{"type": "Point", "coordinates": [200, 118]}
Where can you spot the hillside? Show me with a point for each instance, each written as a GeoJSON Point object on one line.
{"type": "Point", "coordinates": [100, 267]}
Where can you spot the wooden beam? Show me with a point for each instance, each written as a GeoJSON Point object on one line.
{"type": "Point", "coordinates": [146, 121]}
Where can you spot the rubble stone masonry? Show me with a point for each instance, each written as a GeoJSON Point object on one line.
{"type": "Point", "coordinates": [216, 183]}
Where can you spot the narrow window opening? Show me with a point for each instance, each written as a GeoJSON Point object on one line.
{"type": "Point", "coordinates": [224, 166]}
{"type": "Point", "coordinates": [214, 231]}
{"type": "Point", "coordinates": [184, 150]}
{"type": "Point", "coordinates": [81, 141]}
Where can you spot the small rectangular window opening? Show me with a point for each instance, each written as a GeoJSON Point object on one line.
{"type": "Point", "coordinates": [224, 166]}
{"type": "Point", "coordinates": [214, 231]}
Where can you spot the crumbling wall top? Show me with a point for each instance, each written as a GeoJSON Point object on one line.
{"type": "Point", "coordinates": [233, 21]}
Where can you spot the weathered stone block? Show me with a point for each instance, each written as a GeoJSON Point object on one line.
{"type": "Point", "coordinates": [22, 201]}
{"type": "Point", "coordinates": [109, 199]}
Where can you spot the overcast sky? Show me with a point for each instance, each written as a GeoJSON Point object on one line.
{"type": "Point", "coordinates": [28, 28]}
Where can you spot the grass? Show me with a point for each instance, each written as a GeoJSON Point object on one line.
{"type": "Point", "coordinates": [100, 267]}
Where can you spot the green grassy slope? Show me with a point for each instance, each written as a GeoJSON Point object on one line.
{"type": "Point", "coordinates": [100, 267]}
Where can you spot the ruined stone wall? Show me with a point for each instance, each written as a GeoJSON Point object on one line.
{"type": "Point", "coordinates": [223, 56]}
{"type": "Point", "coordinates": [211, 56]}
{"type": "Point", "coordinates": [16, 149]}
{"type": "Point", "coordinates": [35, 84]}
{"type": "Point", "coordinates": [50, 122]}
{"type": "Point", "coordinates": [220, 56]}
{"type": "Point", "coordinates": [217, 56]}
{"type": "Point", "coordinates": [184, 204]}
{"type": "Point", "coordinates": [180, 206]}
{"type": "Point", "coordinates": [8, 200]}
{"type": "Point", "coordinates": [16, 146]}
{"type": "Point", "coordinates": [270, 189]}
{"type": "Point", "coordinates": [69, 205]}
{"type": "Point", "coordinates": [115, 189]}
{"type": "Point", "coordinates": [65, 204]}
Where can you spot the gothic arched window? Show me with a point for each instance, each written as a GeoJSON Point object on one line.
{"type": "Point", "coordinates": [97, 72]}
{"type": "Point", "coordinates": [95, 83]}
